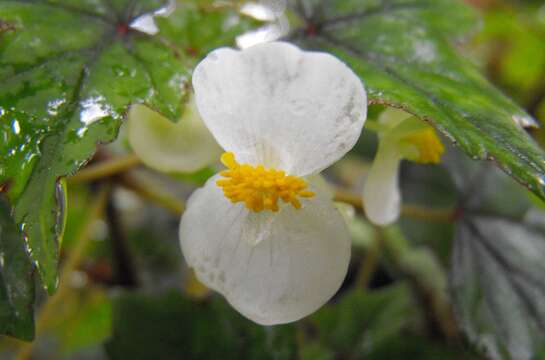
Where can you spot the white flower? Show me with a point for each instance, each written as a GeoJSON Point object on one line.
{"type": "Point", "coordinates": [263, 235]}
{"type": "Point", "coordinates": [403, 137]}
{"type": "Point", "coordinates": [183, 147]}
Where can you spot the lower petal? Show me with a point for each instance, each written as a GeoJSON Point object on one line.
{"type": "Point", "coordinates": [381, 195]}
{"type": "Point", "coordinates": [298, 262]}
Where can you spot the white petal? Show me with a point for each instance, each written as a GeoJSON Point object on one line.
{"type": "Point", "coordinates": [185, 146]}
{"type": "Point", "coordinates": [276, 105]}
{"type": "Point", "coordinates": [381, 194]}
{"type": "Point", "coordinates": [297, 266]}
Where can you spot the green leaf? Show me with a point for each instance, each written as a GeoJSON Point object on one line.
{"type": "Point", "coordinates": [375, 324]}
{"type": "Point", "coordinates": [361, 321]}
{"type": "Point", "coordinates": [400, 49]}
{"type": "Point", "coordinates": [513, 45]}
{"type": "Point", "coordinates": [409, 346]}
{"type": "Point", "coordinates": [85, 320]}
{"type": "Point", "coordinates": [67, 79]}
{"type": "Point", "coordinates": [16, 280]}
{"type": "Point", "coordinates": [170, 326]}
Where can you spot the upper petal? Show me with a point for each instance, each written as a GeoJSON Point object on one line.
{"type": "Point", "coordinates": [276, 105]}
{"type": "Point", "coordinates": [185, 146]}
{"type": "Point", "coordinates": [298, 264]}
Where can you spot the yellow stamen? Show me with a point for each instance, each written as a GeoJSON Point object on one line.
{"type": "Point", "coordinates": [430, 148]}
{"type": "Point", "coordinates": [260, 188]}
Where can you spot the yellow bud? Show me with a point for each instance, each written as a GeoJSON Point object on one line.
{"type": "Point", "coordinates": [429, 146]}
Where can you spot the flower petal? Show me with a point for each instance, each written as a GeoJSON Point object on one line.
{"type": "Point", "coordinates": [297, 266]}
{"type": "Point", "coordinates": [381, 195]}
{"type": "Point", "coordinates": [185, 146]}
{"type": "Point", "coordinates": [276, 105]}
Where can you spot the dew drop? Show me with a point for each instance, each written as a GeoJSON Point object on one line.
{"type": "Point", "coordinates": [93, 109]}
{"type": "Point", "coordinates": [524, 121]}
{"type": "Point", "coordinates": [16, 127]}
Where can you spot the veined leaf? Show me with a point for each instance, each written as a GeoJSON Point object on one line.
{"type": "Point", "coordinates": [497, 269]}
{"type": "Point", "coordinates": [69, 69]}
{"type": "Point", "coordinates": [498, 286]}
{"type": "Point", "coordinates": [400, 49]}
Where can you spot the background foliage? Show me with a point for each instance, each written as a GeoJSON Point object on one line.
{"type": "Point", "coordinates": [460, 275]}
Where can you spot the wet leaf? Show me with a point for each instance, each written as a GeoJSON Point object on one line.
{"type": "Point", "coordinates": [16, 280]}
{"type": "Point", "coordinates": [67, 79]}
{"type": "Point", "coordinates": [402, 52]}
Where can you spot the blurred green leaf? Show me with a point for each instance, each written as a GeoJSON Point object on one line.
{"type": "Point", "coordinates": [409, 346]}
{"type": "Point", "coordinates": [172, 327]}
{"type": "Point", "coordinates": [198, 178]}
{"type": "Point", "coordinates": [84, 320]}
{"type": "Point", "coordinates": [430, 186]}
{"type": "Point", "coordinates": [362, 321]}
{"type": "Point", "coordinates": [512, 41]}
{"type": "Point", "coordinates": [16, 280]}
{"type": "Point", "coordinates": [379, 324]}
{"type": "Point", "coordinates": [400, 50]}
{"type": "Point", "coordinates": [67, 79]}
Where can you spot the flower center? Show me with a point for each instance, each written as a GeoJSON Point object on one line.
{"type": "Point", "coordinates": [260, 188]}
{"type": "Point", "coordinates": [430, 148]}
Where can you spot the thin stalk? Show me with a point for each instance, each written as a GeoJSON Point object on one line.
{"type": "Point", "coordinates": [107, 168]}
{"type": "Point", "coordinates": [411, 210]}
{"type": "Point", "coordinates": [152, 194]}
{"type": "Point", "coordinates": [370, 262]}
{"type": "Point", "coordinates": [124, 270]}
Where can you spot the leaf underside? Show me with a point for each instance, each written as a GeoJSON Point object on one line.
{"type": "Point", "coordinates": [497, 265]}
{"type": "Point", "coordinates": [499, 288]}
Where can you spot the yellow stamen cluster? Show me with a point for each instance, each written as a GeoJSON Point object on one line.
{"type": "Point", "coordinates": [259, 188]}
{"type": "Point", "coordinates": [430, 148]}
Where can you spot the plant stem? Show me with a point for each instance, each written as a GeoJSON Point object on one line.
{"type": "Point", "coordinates": [74, 258]}
{"type": "Point", "coordinates": [425, 213]}
{"type": "Point", "coordinates": [106, 168]}
{"type": "Point", "coordinates": [150, 193]}
{"type": "Point", "coordinates": [370, 261]}
{"type": "Point", "coordinates": [124, 270]}
{"type": "Point", "coordinates": [411, 210]}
